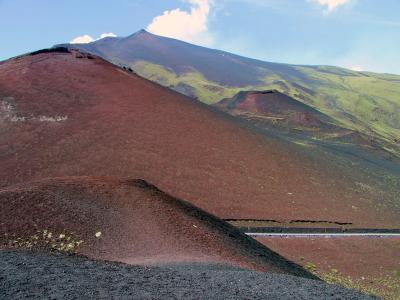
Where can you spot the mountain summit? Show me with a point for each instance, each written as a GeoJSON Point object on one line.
{"type": "Point", "coordinates": [363, 102]}
{"type": "Point", "coordinates": [182, 57]}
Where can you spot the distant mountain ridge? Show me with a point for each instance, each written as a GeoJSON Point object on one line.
{"type": "Point", "coordinates": [364, 102]}
{"type": "Point", "coordinates": [182, 57]}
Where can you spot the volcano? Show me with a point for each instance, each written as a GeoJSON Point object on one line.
{"type": "Point", "coordinates": [363, 102]}
{"type": "Point", "coordinates": [275, 106]}
{"type": "Point", "coordinates": [69, 113]}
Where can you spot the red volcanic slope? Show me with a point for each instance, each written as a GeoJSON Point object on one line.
{"type": "Point", "coordinates": [356, 256]}
{"type": "Point", "coordinates": [138, 223]}
{"type": "Point", "coordinates": [67, 114]}
{"type": "Point", "coordinates": [371, 263]}
{"type": "Point", "coordinates": [274, 104]}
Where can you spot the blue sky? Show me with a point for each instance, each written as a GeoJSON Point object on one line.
{"type": "Point", "coordinates": [358, 34]}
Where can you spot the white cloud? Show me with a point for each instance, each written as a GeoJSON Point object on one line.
{"type": "Point", "coordinates": [356, 68]}
{"type": "Point", "coordinates": [331, 5]}
{"type": "Point", "coordinates": [188, 26]}
{"type": "Point", "coordinates": [107, 34]}
{"type": "Point", "coordinates": [85, 39]}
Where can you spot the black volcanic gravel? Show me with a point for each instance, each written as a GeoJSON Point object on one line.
{"type": "Point", "coordinates": [56, 276]}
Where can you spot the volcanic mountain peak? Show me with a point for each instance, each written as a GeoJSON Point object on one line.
{"type": "Point", "coordinates": [141, 34]}
{"type": "Point", "coordinates": [211, 75]}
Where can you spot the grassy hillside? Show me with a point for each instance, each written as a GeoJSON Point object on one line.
{"type": "Point", "coordinates": [361, 101]}
{"type": "Point", "coordinates": [366, 102]}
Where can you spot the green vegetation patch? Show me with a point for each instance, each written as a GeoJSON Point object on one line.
{"type": "Point", "coordinates": [365, 102]}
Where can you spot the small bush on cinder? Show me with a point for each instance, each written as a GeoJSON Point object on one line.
{"type": "Point", "coordinates": [45, 239]}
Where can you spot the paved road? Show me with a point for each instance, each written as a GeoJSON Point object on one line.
{"type": "Point", "coordinates": [344, 234]}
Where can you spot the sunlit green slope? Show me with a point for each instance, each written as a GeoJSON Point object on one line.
{"type": "Point", "coordinates": [366, 102]}
{"type": "Point", "coordinates": [362, 101]}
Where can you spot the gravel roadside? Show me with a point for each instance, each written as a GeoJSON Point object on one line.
{"type": "Point", "coordinates": [55, 276]}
